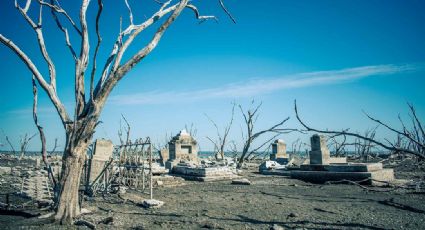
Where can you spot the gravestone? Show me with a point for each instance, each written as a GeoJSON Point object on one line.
{"type": "Point", "coordinates": [37, 162]}
{"type": "Point", "coordinates": [102, 153]}
{"type": "Point", "coordinates": [279, 151]}
{"type": "Point", "coordinates": [319, 154]}
{"type": "Point", "coordinates": [164, 155]}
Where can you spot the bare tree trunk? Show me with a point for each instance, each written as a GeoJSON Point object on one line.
{"type": "Point", "coordinates": [78, 139]}
{"type": "Point", "coordinates": [72, 167]}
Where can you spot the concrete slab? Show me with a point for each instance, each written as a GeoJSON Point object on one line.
{"type": "Point", "coordinates": [324, 176]}
{"type": "Point", "coordinates": [338, 160]}
{"type": "Point", "coordinates": [199, 173]}
{"type": "Point", "coordinates": [277, 172]}
{"type": "Point", "coordinates": [350, 167]}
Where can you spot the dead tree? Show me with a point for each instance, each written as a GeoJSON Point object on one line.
{"type": "Point", "coordinates": [250, 117]}
{"type": "Point", "coordinates": [363, 147]}
{"type": "Point", "coordinates": [191, 130]}
{"type": "Point", "coordinates": [415, 136]}
{"type": "Point", "coordinates": [337, 145]}
{"type": "Point", "coordinates": [127, 130]}
{"type": "Point", "coordinates": [221, 141]}
{"type": "Point", "coordinates": [296, 146]}
{"type": "Point", "coordinates": [23, 144]}
{"type": "Point", "coordinates": [89, 101]}
{"type": "Point", "coordinates": [43, 138]}
{"type": "Point", "coordinates": [9, 143]}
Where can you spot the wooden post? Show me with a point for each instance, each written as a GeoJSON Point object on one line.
{"type": "Point", "coordinates": [150, 169]}
{"type": "Point", "coordinates": [143, 171]}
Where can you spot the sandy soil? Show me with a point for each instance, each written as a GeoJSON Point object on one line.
{"type": "Point", "coordinates": [268, 203]}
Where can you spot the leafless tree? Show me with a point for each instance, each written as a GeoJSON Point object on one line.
{"type": "Point", "coordinates": [126, 139]}
{"type": "Point", "coordinates": [296, 146]}
{"type": "Point", "coordinates": [337, 144]}
{"type": "Point", "coordinates": [414, 137]}
{"type": "Point", "coordinates": [80, 128]}
{"type": "Point", "coordinates": [191, 130]}
{"type": "Point", "coordinates": [23, 144]}
{"type": "Point", "coordinates": [250, 118]}
{"type": "Point", "coordinates": [363, 147]}
{"type": "Point", "coordinates": [221, 141]}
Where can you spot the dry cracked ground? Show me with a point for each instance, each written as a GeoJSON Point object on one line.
{"type": "Point", "coordinates": [270, 202]}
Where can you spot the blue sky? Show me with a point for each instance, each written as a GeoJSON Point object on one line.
{"type": "Point", "coordinates": [336, 58]}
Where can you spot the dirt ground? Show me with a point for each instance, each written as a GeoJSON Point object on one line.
{"type": "Point", "coordinates": [269, 202]}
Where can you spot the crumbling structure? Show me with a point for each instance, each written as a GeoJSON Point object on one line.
{"type": "Point", "coordinates": [182, 148]}
{"type": "Point", "coordinates": [279, 152]}
{"type": "Point", "coordinates": [102, 154]}
{"type": "Point", "coordinates": [321, 169]}
{"type": "Point", "coordinates": [183, 161]}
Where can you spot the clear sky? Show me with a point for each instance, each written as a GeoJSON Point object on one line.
{"type": "Point", "coordinates": [336, 58]}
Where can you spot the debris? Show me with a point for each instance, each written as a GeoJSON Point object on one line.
{"type": "Point", "coordinates": [292, 214]}
{"type": "Point", "coordinates": [107, 220]}
{"type": "Point", "coordinates": [269, 165]}
{"type": "Point", "coordinates": [85, 223]}
{"type": "Point", "coordinates": [45, 216]}
{"type": "Point", "coordinates": [152, 203]}
{"type": "Point", "coordinates": [5, 170]}
{"type": "Point", "coordinates": [11, 212]}
{"type": "Point", "coordinates": [85, 211]}
{"type": "Point", "coordinates": [276, 227]}
{"type": "Point", "coordinates": [242, 181]}
{"type": "Point", "coordinates": [122, 190]}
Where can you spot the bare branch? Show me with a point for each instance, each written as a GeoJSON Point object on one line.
{"type": "Point", "coordinates": [51, 91]}
{"type": "Point", "coordinates": [250, 117]}
{"type": "Point", "coordinates": [41, 132]}
{"type": "Point", "coordinates": [9, 143]}
{"type": "Point", "coordinates": [65, 32]}
{"type": "Point", "coordinates": [391, 148]}
{"type": "Point", "coordinates": [99, 40]}
{"type": "Point", "coordinates": [82, 61]}
{"type": "Point", "coordinates": [121, 71]}
{"type": "Point", "coordinates": [394, 130]}
{"type": "Point", "coordinates": [134, 30]}
{"type": "Point", "coordinates": [201, 18]}
{"type": "Point", "coordinates": [59, 10]}
{"type": "Point", "coordinates": [35, 117]}
{"type": "Point", "coordinates": [40, 37]}
{"type": "Point", "coordinates": [27, 6]}
{"type": "Point", "coordinates": [227, 12]}
{"type": "Point", "coordinates": [130, 13]}
{"type": "Point", "coordinates": [419, 124]}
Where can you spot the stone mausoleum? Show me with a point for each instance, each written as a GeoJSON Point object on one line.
{"type": "Point", "coordinates": [182, 148]}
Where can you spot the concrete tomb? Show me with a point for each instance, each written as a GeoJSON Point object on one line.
{"type": "Point", "coordinates": [181, 148]}
{"type": "Point", "coordinates": [279, 152]}
{"type": "Point", "coordinates": [201, 173]}
{"type": "Point", "coordinates": [102, 154]}
{"type": "Point", "coordinates": [321, 169]}
{"type": "Point", "coordinates": [184, 162]}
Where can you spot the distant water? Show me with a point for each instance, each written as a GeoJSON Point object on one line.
{"type": "Point", "coordinates": [31, 153]}
{"type": "Point", "coordinates": [201, 154]}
